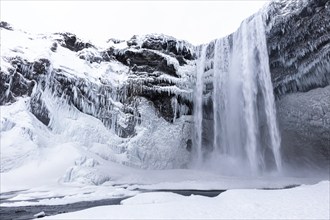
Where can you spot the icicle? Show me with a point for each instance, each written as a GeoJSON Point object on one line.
{"type": "Point", "coordinates": [174, 104]}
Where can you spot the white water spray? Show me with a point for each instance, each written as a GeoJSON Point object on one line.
{"type": "Point", "coordinates": [246, 135]}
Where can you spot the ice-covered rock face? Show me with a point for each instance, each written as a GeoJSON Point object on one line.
{"type": "Point", "coordinates": [139, 89]}
{"type": "Point", "coordinates": [298, 44]}
{"type": "Point", "coordinates": [299, 53]}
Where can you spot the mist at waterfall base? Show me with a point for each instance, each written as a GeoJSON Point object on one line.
{"type": "Point", "coordinates": [236, 131]}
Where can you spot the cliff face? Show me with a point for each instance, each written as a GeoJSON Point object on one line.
{"type": "Point", "coordinates": [299, 45]}
{"type": "Point", "coordinates": [141, 90]}
{"type": "Point", "coordinates": [299, 55]}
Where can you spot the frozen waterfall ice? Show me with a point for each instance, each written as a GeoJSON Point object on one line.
{"type": "Point", "coordinates": [245, 131]}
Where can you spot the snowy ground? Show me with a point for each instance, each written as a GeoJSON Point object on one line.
{"type": "Point", "coordinates": [304, 202]}
{"type": "Point", "coordinates": [242, 200]}
{"type": "Point", "coordinates": [38, 188]}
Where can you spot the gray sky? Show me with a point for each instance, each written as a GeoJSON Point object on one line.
{"type": "Point", "coordinates": [195, 21]}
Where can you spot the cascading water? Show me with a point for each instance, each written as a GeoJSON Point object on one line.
{"type": "Point", "coordinates": [198, 107]}
{"type": "Point", "coordinates": [245, 133]}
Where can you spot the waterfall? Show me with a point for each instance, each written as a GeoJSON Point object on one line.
{"type": "Point", "coordinates": [221, 65]}
{"type": "Point", "coordinates": [245, 131]}
{"type": "Point", "coordinates": [267, 92]}
{"type": "Point", "coordinates": [198, 105]}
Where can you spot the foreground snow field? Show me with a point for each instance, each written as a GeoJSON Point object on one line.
{"type": "Point", "coordinates": [304, 202]}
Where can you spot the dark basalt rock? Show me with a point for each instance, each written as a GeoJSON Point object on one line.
{"type": "Point", "coordinates": [31, 70]}
{"type": "Point", "coordinates": [71, 42]}
{"type": "Point", "coordinates": [162, 102]}
{"type": "Point", "coordinates": [14, 85]}
{"type": "Point", "coordinates": [40, 67]}
{"type": "Point", "coordinates": [167, 45]}
{"type": "Point", "coordinates": [181, 60]}
{"type": "Point", "coordinates": [147, 58]}
{"type": "Point", "coordinates": [90, 56]}
{"type": "Point", "coordinates": [132, 41]}
{"type": "Point", "coordinates": [299, 45]}
{"type": "Point", "coordinates": [187, 103]}
{"type": "Point", "coordinates": [108, 54]}
{"type": "Point", "coordinates": [38, 109]}
{"type": "Point", "coordinates": [5, 25]}
{"type": "Point", "coordinates": [54, 47]}
{"type": "Point", "coordinates": [20, 86]}
{"type": "Point", "coordinates": [189, 145]}
{"type": "Point", "coordinates": [5, 94]}
{"type": "Point", "coordinates": [146, 66]}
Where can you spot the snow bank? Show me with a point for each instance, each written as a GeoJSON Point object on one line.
{"type": "Point", "coordinates": [305, 202]}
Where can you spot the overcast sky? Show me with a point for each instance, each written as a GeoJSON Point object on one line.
{"type": "Point", "coordinates": [195, 21]}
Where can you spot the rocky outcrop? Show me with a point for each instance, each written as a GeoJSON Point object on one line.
{"type": "Point", "coordinates": [5, 25]}
{"type": "Point", "coordinates": [160, 70]}
{"type": "Point", "coordinates": [146, 61]}
{"type": "Point", "coordinates": [70, 41]}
